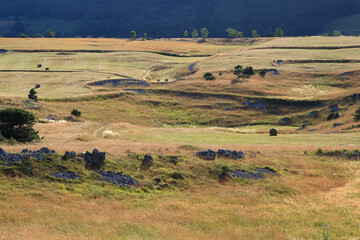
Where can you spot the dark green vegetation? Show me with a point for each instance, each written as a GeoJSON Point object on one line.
{"type": "Point", "coordinates": [18, 124]}
{"type": "Point", "coordinates": [33, 95]}
{"type": "Point", "coordinates": [357, 115]}
{"type": "Point", "coordinates": [170, 19]}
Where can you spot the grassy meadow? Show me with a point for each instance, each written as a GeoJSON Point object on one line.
{"type": "Point", "coordinates": [315, 193]}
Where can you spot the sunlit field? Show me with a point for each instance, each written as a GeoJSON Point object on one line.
{"type": "Point", "coordinates": [314, 193]}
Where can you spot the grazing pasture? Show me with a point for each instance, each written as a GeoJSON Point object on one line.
{"type": "Point", "coordinates": [301, 184]}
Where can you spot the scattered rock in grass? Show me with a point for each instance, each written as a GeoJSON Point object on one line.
{"type": "Point", "coordinates": [254, 105]}
{"type": "Point", "coordinates": [3, 51]}
{"type": "Point", "coordinates": [230, 154]}
{"type": "Point", "coordinates": [11, 158]}
{"type": "Point", "coordinates": [37, 85]}
{"type": "Point", "coordinates": [117, 82]}
{"type": "Point", "coordinates": [39, 66]}
{"type": "Point", "coordinates": [118, 178]}
{"type": "Point", "coordinates": [71, 119]}
{"type": "Point", "coordinates": [253, 175]}
{"type": "Point", "coordinates": [141, 91]}
{"type": "Point", "coordinates": [95, 160]}
{"type": "Point", "coordinates": [147, 162]}
{"type": "Point", "coordinates": [206, 155]}
{"type": "Point", "coordinates": [68, 155]}
{"type": "Point", "coordinates": [354, 155]}
{"type": "Point", "coordinates": [336, 125]}
{"type": "Point", "coordinates": [66, 175]}
{"type": "Point", "coordinates": [334, 108]}
{"type": "Point", "coordinates": [273, 132]}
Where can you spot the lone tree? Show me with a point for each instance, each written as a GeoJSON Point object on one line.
{"type": "Point", "coordinates": [32, 95]}
{"type": "Point", "coordinates": [50, 34]}
{"type": "Point", "coordinates": [145, 36]}
{"type": "Point", "coordinates": [204, 33]}
{"type": "Point", "coordinates": [232, 33]}
{"type": "Point", "coordinates": [23, 35]}
{"type": "Point", "coordinates": [195, 33]}
{"type": "Point", "coordinates": [255, 34]}
{"type": "Point", "coordinates": [186, 34]}
{"type": "Point", "coordinates": [18, 124]}
{"type": "Point", "coordinates": [337, 33]}
{"type": "Point", "coordinates": [279, 32]}
{"type": "Point", "coordinates": [37, 35]}
{"type": "Point", "coordinates": [133, 34]}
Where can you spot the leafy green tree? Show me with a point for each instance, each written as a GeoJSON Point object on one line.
{"type": "Point", "coordinates": [50, 34]}
{"type": "Point", "coordinates": [133, 34]}
{"type": "Point", "coordinates": [255, 34]}
{"type": "Point", "coordinates": [337, 33]}
{"type": "Point", "coordinates": [240, 34]}
{"type": "Point", "coordinates": [232, 33]}
{"type": "Point", "coordinates": [18, 124]}
{"type": "Point", "coordinates": [145, 36]}
{"type": "Point", "coordinates": [279, 32]}
{"type": "Point", "coordinates": [186, 34]}
{"type": "Point", "coordinates": [37, 35]}
{"type": "Point", "coordinates": [195, 33]}
{"type": "Point", "coordinates": [204, 33]}
{"type": "Point", "coordinates": [32, 95]}
{"type": "Point", "coordinates": [23, 35]}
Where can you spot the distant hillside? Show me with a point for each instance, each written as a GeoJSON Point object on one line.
{"type": "Point", "coordinates": [349, 25]}
{"type": "Point", "coordinates": [163, 18]}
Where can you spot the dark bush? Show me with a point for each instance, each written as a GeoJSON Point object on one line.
{"type": "Point", "coordinates": [209, 76]}
{"type": "Point", "coordinates": [76, 113]}
{"type": "Point", "coordinates": [262, 73]}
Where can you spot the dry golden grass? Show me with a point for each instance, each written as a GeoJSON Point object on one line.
{"type": "Point", "coordinates": [309, 192]}
{"type": "Point", "coordinates": [70, 44]}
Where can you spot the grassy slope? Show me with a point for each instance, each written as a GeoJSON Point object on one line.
{"type": "Point", "coordinates": [311, 191]}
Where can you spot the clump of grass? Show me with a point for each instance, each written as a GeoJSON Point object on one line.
{"type": "Point", "coordinates": [189, 147]}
